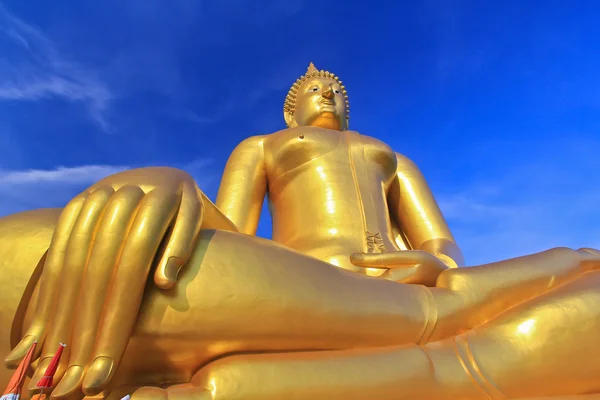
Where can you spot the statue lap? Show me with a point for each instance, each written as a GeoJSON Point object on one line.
{"type": "Point", "coordinates": [531, 349]}
{"type": "Point", "coordinates": [268, 297]}
{"type": "Point", "coordinates": [259, 280]}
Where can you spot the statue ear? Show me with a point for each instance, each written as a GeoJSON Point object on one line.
{"type": "Point", "coordinates": [290, 121]}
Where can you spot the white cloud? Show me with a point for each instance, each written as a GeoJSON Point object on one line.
{"type": "Point", "coordinates": [38, 71]}
{"type": "Point", "coordinates": [489, 231]}
{"type": "Point", "coordinates": [31, 189]}
{"type": "Point", "coordinates": [550, 199]}
{"type": "Point", "coordinates": [36, 188]}
{"type": "Point", "coordinates": [62, 175]}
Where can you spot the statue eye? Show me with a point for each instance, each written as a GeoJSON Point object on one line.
{"type": "Point", "coordinates": [337, 91]}
{"type": "Point", "coordinates": [315, 89]}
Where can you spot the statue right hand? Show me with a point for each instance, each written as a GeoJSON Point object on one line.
{"type": "Point", "coordinates": [97, 267]}
{"type": "Point", "coordinates": [405, 266]}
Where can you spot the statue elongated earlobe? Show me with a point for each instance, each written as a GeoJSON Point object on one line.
{"type": "Point", "coordinates": [290, 121]}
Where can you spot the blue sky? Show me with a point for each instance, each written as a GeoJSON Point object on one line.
{"type": "Point", "coordinates": [497, 102]}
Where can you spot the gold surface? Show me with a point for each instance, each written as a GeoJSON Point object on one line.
{"type": "Point", "coordinates": [160, 292]}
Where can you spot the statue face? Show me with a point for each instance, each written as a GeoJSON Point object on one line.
{"type": "Point", "coordinates": [320, 102]}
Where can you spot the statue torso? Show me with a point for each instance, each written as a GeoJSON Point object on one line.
{"type": "Point", "coordinates": [328, 192]}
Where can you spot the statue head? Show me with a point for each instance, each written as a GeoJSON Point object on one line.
{"type": "Point", "coordinates": [317, 98]}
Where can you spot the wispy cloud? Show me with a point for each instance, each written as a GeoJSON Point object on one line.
{"type": "Point", "coordinates": [30, 189]}
{"type": "Point", "coordinates": [489, 230]}
{"type": "Point", "coordinates": [36, 188]}
{"type": "Point", "coordinates": [74, 175]}
{"type": "Point", "coordinates": [36, 70]}
{"type": "Point", "coordinates": [549, 200]}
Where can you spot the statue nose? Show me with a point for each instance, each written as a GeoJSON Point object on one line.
{"type": "Point", "coordinates": [328, 94]}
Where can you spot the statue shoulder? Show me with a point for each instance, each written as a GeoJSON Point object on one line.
{"type": "Point", "coordinates": [252, 141]}
{"type": "Point", "coordinates": [407, 170]}
{"type": "Point", "coordinates": [405, 163]}
{"type": "Point", "coordinates": [251, 145]}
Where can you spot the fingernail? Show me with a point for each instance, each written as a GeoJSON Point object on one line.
{"type": "Point", "coordinates": [69, 383]}
{"type": "Point", "coordinates": [98, 375]}
{"type": "Point", "coordinates": [38, 374]}
{"type": "Point", "coordinates": [172, 268]}
{"type": "Point", "coordinates": [15, 356]}
{"type": "Point", "coordinates": [168, 278]}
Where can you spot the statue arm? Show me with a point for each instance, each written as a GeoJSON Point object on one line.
{"type": "Point", "coordinates": [418, 215]}
{"type": "Point", "coordinates": [244, 185]}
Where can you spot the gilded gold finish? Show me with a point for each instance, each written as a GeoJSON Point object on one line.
{"type": "Point", "coordinates": [289, 106]}
{"type": "Point", "coordinates": [356, 297]}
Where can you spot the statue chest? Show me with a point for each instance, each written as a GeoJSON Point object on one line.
{"type": "Point", "coordinates": [292, 150]}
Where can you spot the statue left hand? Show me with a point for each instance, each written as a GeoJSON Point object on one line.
{"type": "Point", "coordinates": [408, 266]}
{"type": "Point", "coordinates": [97, 267]}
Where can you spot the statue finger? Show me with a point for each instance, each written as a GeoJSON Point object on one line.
{"type": "Point", "coordinates": [156, 212]}
{"type": "Point", "coordinates": [411, 257]}
{"type": "Point", "coordinates": [74, 263]}
{"type": "Point", "coordinates": [368, 260]}
{"type": "Point", "coordinates": [178, 249]}
{"type": "Point", "coordinates": [420, 274]}
{"type": "Point", "coordinates": [48, 282]}
{"type": "Point", "coordinates": [108, 244]}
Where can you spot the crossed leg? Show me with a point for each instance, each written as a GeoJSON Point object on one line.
{"type": "Point", "coordinates": [544, 347]}
{"type": "Point", "coordinates": [363, 312]}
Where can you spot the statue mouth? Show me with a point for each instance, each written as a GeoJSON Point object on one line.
{"type": "Point", "coordinates": [327, 102]}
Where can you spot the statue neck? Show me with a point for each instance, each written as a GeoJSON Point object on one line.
{"type": "Point", "coordinates": [327, 121]}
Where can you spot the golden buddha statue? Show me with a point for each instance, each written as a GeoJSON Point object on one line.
{"type": "Point", "coordinates": [357, 296]}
